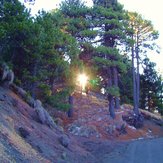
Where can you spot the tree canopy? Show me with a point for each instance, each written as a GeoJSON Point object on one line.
{"type": "Point", "coordinates": [47, 52]}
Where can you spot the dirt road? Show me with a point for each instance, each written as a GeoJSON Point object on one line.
{"type": "Point", "coordinates": [140, 151]}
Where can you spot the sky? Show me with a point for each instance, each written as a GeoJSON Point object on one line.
{"type": "Point", "coordinates": [149, 9]}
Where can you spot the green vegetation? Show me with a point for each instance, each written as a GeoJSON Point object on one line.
{"type": "Point", "coordinates": [59, 100]}
{"type": "Point", "coordinates": [47, 52]}
{"type": "Point", "coordinates": [151, 88]}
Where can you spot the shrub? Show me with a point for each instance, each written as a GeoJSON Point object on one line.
{"type": "Point", "coordinates": [59, 100]}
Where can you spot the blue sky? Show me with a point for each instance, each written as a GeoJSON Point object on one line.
{"type": "Point", "coordinates": [150, 10]}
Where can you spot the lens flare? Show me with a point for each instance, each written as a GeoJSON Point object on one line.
{"type": "Point", "coordinates": [82, 79]}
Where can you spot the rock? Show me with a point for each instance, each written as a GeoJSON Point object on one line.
{"type": "Point", "coordinates": [2, 97]}
{"type": "Point", "coordinates": [121, 129]}
{"type": "Point", "coordinates": [6, 75]}
{"type": "Point", "coordinates": [134, 120]}
{"type": "Point", "coordinates": [30, 100]}
{"type": "Point", "coordinates": [126, 107]}
{"type": "Point", "coordinates": [59, 121]}
{"type": "Point", "coordinates": [131, 127]}
{"type": "Point", "coordinates": [23, 132]}
{"type": "Point", "coordinates": [81, 130]}
{"type": "Point", "coordinates": [64, 140]}
{"type": "Point", "coordinates": [49, 120]}
{"type": "Point", "coordinates": [60, 128]}
{"type": "Point", "coordinates": [111, 129]}
{"type": "Point", "coordinates": [22, 93]}
{"type": "Point", "coordinates": [40, 111]}
{"type": "Point", "coordinates": [38, 148]}
{"type": "Point", "coordinates": [64, 155]}
{"type": "Point", "coordinates": [43, 115]}
{"type": "Point", "coordinates": [99, 119]}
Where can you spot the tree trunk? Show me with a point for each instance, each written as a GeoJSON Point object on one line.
{"type": "Point", "coordinates": [115, 76]}
{"type": "Point", "coordinates": [111, 106]}
{"type": "Point", "coordinates": [110, 97]}
{"type": "Point", "coordinates": [137, 78]}
{"type": "Point", "coordinates": [117, 103]}
{"type": "Point", "coordinates": [70, 111]}
{"type": "Point", "coordinates": [33, 87]}
{"type": "Point", "coordinates": [134, 84]}
{"type": "Point", "coordinates": [51, 83]}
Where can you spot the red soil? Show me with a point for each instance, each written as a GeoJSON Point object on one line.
{"type": "Point", "coordinates": [93, 112]}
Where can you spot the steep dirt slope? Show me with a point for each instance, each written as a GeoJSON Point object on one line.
{"type": "Point", "coordinates": [90, 135]}
{"type": "Point", "coordinates": [23, 139]}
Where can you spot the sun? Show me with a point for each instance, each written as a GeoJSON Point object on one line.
{"type": "Point", "coordinates": [82, 79]}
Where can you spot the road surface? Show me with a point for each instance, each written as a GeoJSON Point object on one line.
{"type": "Point", "coordinates": [140, 151]}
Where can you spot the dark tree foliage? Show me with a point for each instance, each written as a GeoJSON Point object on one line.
{"type": "Point", "coordinates": [48, 51]}
{"type": "Point", "coordinates": [36, 48]}
{"type": "Point", "coordinates": [77, 23]}
{"type": "Point", "coordinates": [142, 36]}
{"type": "Point", "coordinates": [14, 30]}
{"type": "Point", "coordinates": [107, 17]}
{"type": "Point", "coordinates": [126, 84]}
{"type": "Point", "coordinates": [151, 88]}
{"type": "Point", "coordinates": [99, 30]}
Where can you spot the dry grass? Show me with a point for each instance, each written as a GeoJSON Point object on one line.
{"type": "Point", "coordinates": [19, 144]}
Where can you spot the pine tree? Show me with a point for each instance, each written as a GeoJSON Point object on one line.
{"type": "Point", "coordinates": [37, 48]}
{"type": "Point", "coordinates": [78, 24]}
{"type": "Point", "coordinates": [108, 18]}
{"type": "Point", "coordinates": [126, 84]}
{"type": "Point", "coordinates": [14, 21]}
{"type": "Point", "coordinates": [151, 87]}
{"type": "Point", "coordinates": [143, 36]}
{"type": "Point", "coordinates": [76, 16]}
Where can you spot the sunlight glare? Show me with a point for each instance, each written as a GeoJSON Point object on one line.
{"type": "Point", "coordinates": [82, 79]}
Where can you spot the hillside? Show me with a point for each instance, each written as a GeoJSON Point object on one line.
{"type": "Point", "coordinates": [91, 119]}
{"type": "Point", "coordinates": [24, 139]}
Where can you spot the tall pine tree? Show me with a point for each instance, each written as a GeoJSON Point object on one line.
{"type": "Point", "coordinates": [108, 16]}
{"type": "Point", "coordinates": [143, 36]}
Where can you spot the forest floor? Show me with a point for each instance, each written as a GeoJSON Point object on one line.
{"type": "Point", "coordinates": [91, 136]}
{"type": "Point", "coordinates": [91, 119]}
